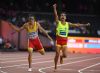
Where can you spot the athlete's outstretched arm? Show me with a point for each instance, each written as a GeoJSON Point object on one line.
{"type": "Point", "coordinates": [43, 30]}
{"type": "Point", "coordinates": [22, 27]}
{"type": "Point", "coordinates": [78, 24]}
{"type": "Point", "coordinates": [55, 13]}
{"type": "Point", "coordinates": [16, 28]}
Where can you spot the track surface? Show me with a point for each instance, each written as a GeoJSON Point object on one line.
{"type": "Point", "coordinates": [16, 62]}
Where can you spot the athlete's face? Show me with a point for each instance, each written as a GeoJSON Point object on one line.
{"type": "Point", "coordinates": [31, 20]}
{"type": "Point", "coordinates": [63, 17]}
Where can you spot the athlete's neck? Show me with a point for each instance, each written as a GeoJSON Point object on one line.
{"type": "Point", "coordinates": [63, 22]}
{"type": "Point", "coordinates": [31, 23]}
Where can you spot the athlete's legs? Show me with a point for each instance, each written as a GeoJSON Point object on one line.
{"type": "Point", "coordinates": [57, 56]}
{"type": "Point", "coordinates": [30, 50]}
{"type": "Point", "coordinates": [39, 47]}
{"type": "Point", "coordinates": [42, 52]}
{"type": "Point", "coordinates": [64, 53]}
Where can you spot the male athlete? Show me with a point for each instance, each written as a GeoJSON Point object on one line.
{"type": "Point", "coordinates": [62, 28]}
{"type": "Point", "coordinates": [32, 28]}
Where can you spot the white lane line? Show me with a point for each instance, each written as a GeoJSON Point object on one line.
{"type": "Point", "coordinates": [41, 62]}
{"type": "Point", "coordinates": [67, 69]}
{"type": "Point", "coordinates": [26, 64]}
{"type": "Point", "coordinates": [22, 67]}
{"type": "Point", "coordinates": [13, 58]}
{"type": "Point", "coordinates": [10, 56]}
{"type": "Point", "coordinates": [80, 71]}
{"type": "Point", "coordinates": [38, 63]}
{"type": "Point", "coordinates": [16, 58]}
{"type": "Point", "coordinates": [93, 70]}
{"type": "Point", "coordinates": [22, 60]}
{"type": "Point", "coordinates": [41, 69]}
{"type": "Point", "coordinates": [2, 71]}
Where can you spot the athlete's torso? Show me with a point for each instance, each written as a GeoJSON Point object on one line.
{"type": "Point", "coordinates": [62, 29]}
{"type": "Point", "coordinates": [32, 30]}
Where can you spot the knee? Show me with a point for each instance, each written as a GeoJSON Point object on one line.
{"type": "Point", "coordinates": [42, 52]}
{"type": "Point", "coordinates": [30, 50]}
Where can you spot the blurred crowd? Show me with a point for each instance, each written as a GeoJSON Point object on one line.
{"type": "Point", "coordinates": [10, 7]}
{"type": "Point", "coordinates": [13, 10]}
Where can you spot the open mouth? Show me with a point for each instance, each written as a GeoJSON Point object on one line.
{"type": "Point", "coordinates": [62, 18]}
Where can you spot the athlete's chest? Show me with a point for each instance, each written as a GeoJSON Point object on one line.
{"type": "Point", "coordinates": [62, 27]}
{"type": "Point", "coordinates": [32, 28]}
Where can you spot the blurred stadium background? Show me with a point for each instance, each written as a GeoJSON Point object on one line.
{"type": "Point", "coordinates": [78, 11]}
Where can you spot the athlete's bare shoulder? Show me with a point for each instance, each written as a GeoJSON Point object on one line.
{"type": "Point", "coordinates": [37, 23]}
{"type": "Point", "coordinates": [25, 25]}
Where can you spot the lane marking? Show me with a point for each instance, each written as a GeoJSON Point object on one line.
{"type": "Point", "coordinates": [41, 69]}
{"type": "Point", "coordinates": [40, 62]}
{"type": "Point", "coordinates": [93, 70]}
{"type": "Point", "coordinates": [36, 63]}
{"type": "Point", "coordinates": [67, 69]}
{"type": "Point", "coordinates": [12, 58]}
{"type": "Point", "coordinates": [17, 55]}
{"type": "Point", "coordinates": [21, 60]}
{"type": "Point", "coordinates": [16, 58]}
{"type": "Point", "coordinates": [80, 71]}
{"type": "Point", "coordinates": [2, 70]}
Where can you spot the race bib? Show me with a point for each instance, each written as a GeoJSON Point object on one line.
{"type": "Point", "coordinates": [32, 35]}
